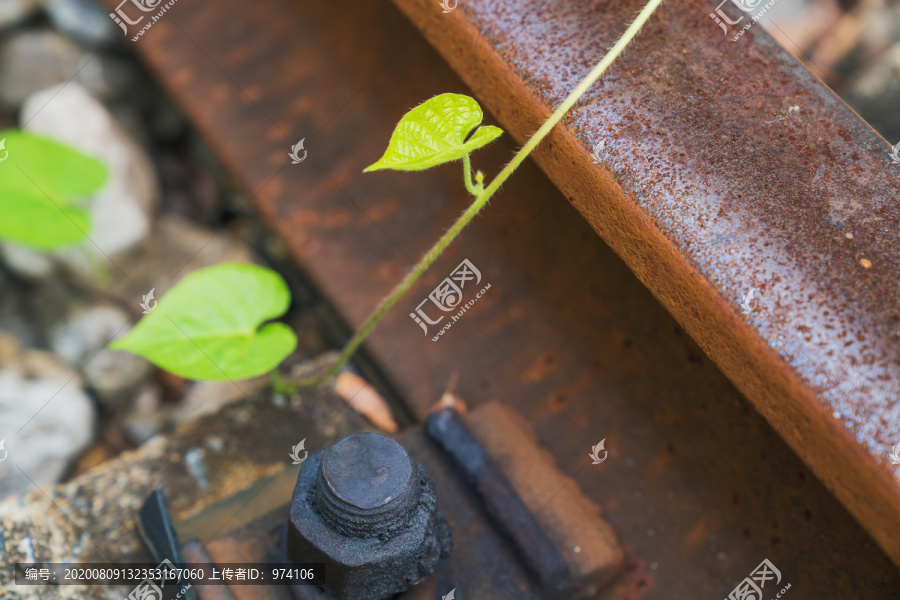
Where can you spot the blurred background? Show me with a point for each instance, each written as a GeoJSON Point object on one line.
{"type": "Point", "coordinates": [67, 403]}
{"type": "Point", "coordinates": [852, 46]}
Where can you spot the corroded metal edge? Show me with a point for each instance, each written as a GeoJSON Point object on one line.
{"type": "Point", "coordinates": [835, 411]}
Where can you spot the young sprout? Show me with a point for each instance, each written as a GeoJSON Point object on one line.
{"type": "Point", "coordinates": [215, 324]}
{"type": "Point", "coordinates": [436, 132]}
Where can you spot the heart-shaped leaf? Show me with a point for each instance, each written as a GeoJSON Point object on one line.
{"type": "Point", "coordinates": [41, 182]}
{"type": "Point", "coordinates": [210, 325]}
{"type": "Point", "coordinates": [434, 133]}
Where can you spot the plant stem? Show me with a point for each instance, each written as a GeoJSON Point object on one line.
{"type": "Point", "coordinates": [474, 188]}
{"type": "Point", "coordinates": [280, 385]}
{"type": "Point", "coordinates": [482, 196]}
{"type": "Point", "coordinates": [573, 97]}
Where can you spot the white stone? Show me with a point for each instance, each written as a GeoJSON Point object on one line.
{"type": "Point", "coordinates": [26, 262]}
{"type": "Point", "coordinates": [122, 210]}
{"type": "Point", "coordinates": [84, 21]}
{"type": "Point", "coordinates": [13, 11]}
{"type": "Point", "coordinates": [46, 424]}
{"type": "Point", "coordinates": [34, 59]}
{"type": "Point", "coordinates": [81, 342]}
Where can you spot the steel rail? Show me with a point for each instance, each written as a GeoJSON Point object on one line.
{"type": "Point", "coordinates": [714, 168]}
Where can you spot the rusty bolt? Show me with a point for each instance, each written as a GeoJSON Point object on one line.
{"type": "Point", "coordinates": [368, 511]}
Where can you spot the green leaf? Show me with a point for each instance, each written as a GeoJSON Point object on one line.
{"type": "Point", "coordinates": [434, 133]}
{"type": "Point", "coordinates": [59, 171]}
{"type": "Point", "coordinates": [35, 222]}
{"type": "Point", "coordinates": [41, 184]}
{"type": "Point", "coordinates": [210, 325]}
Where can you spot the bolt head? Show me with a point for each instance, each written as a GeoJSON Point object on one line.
{"type": "Point", "coordinates": [367, 511]}
{"type": "Point", "coordinates": [367, 471]}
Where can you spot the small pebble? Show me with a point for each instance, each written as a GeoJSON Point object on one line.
{"type": "Point", "coordinates": [848, 235]}
{"type": "Point", "coordinates": [195, 464]}
{"type": "Point", "coordinates": [866, 263]}
{"type": "Point", "coordinates": [577, 549]}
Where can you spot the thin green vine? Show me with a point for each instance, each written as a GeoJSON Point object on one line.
{"type": "Point", "coordinates": [482, 196]}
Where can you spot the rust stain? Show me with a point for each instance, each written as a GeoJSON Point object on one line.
{"type": "Point", "coordinates": [541, 367]}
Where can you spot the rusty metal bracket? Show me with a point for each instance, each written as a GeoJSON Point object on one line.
{"type": "Point", "coordinates": [503, 504]}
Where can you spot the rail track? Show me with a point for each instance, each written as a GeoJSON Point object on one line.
{"type": "Point", "coordinates": [700, 141]}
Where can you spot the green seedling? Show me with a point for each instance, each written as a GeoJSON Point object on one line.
{"type": "Point", "coordinates": [208, 326]}
{"type": "Point", "coordinates": [416, 144]}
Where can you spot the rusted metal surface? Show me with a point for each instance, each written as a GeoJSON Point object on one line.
{"type": "Point", "coordinates": [574, 523]}
{"type": "Point", "coordinates": [697, 486]}
{"type": "Point", "coordinates": [723, 167]}
{"type": "Point", "coordinates": [501, 501]}
{"type": "Point", "coordinates": [257, 542]}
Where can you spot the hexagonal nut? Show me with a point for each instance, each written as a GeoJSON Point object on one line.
{"type": "Point", "coordinates": [365, 557]}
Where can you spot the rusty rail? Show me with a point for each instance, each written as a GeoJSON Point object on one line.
{"type": "Point", "coordinates": [699, 140]}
